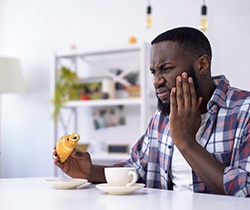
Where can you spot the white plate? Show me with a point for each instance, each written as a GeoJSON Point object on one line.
{"type": "Point", "coordinates": [119, 190]}
{"type": "Point", "coordinates": [65, 183]}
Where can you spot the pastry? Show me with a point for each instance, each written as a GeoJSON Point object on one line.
{"type": "Point", "coordinates": [65, 146]}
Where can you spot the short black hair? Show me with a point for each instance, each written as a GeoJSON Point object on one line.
{"type": "Point", "coordinates": [190, 40]}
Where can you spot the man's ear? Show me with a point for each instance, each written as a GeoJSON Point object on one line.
{"type": "Point", "coordinates": [203, 64]}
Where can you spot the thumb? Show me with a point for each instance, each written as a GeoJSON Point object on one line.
{"type": "Point", "coordinates": [58, 163]}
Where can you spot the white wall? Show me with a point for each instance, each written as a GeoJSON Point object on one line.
{"type": "Point", "coordinates": [34, 29]}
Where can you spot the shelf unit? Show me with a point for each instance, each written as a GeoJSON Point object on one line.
{"type": "Point", "coordinates": [104, 60]}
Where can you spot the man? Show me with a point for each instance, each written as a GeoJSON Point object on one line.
{"type": "Point", "coordinates": [199, 138]}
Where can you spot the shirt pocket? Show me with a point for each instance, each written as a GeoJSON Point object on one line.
{"type": "Point", "coordinates": [221, 147]}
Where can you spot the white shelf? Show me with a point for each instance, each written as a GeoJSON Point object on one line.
{"type": "Point", "coordinates": [114, 50]}
{"type": "Point", "coordinates": [98, 62]}
{"type": "Point", "coordinates": [99, 102]}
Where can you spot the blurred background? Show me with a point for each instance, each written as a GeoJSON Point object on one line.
{"type": "Point", "coordinates": [33, 30]}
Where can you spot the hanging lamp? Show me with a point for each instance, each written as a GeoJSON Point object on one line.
{"type": "Point", "coordinates": [203, 21]}
{"type": "Point", "coordinates": [149, 15]}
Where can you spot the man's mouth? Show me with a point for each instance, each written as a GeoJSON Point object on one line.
{"type": "Point", "coordinates": [163, 94]}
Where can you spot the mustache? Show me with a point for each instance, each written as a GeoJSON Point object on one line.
{"type": "Point", "coordinates": [162, 89]}
{"type": "Point", "coordinates": [163, 107]}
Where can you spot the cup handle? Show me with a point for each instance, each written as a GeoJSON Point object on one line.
{"type": "Point", "coordinates": [134, 174]}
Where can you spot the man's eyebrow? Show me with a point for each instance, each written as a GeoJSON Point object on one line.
{"type": "Point", "coordinates": [161, 65]}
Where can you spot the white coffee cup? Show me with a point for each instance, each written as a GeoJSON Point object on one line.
{"type": "Point", "coordinates": [120, 176]}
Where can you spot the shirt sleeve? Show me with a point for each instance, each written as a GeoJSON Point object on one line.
{"type": "Point", "coordinates": [237, 175]}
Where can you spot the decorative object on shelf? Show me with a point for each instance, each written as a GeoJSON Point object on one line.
{"type": "Point", "coordinates": [134, 91]}
{"type": "Point", "coordinates": [108, 117]}
{"type": "Point", "coordinates": [11, 80]}
{"type": "Point", "coordinates": [118, 148]}
{"type": "Point", "coordinates": [67, 82]}
{"type": "Point", "coordinates": [73, 47]}
{"type": "Point", "coordinates": [134, 87]}
{"type": "Point", "coordinates": [132, 40]}
{"type": "Point", "coordinates": [91, 88]}
{"type": "Point", "coordinates": [130, 86]}
{"type": "Point", "coordinates": [203, 22]}
{"type": "Point", "coordinates": [149, 15]}
{"type": "Point", "coordinates": [108, 88]}
{"type": "Point", "coordinates": [132, 78]}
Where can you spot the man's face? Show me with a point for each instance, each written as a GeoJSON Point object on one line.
{"type": "Point", "coordinates": [167, 62]}
{"type": "Point", "coordinates": [164, 105]}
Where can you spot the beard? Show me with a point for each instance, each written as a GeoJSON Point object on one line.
{"type": "Point", "coordinates": [164, 107]}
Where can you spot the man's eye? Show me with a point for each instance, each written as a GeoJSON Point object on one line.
{"type": "Point", "coordinates": [153, 72]}
{"type": "Point", "coordinates": [167, 68]}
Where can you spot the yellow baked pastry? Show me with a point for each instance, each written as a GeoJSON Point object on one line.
{"type": "Point", "coordinates": [65, 145]}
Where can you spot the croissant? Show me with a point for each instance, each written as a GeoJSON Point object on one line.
{"type": "Point", "coordinates": [65, 145]}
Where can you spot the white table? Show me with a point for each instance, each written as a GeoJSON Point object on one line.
{"type": "Point", "coordinates": [34, 194]}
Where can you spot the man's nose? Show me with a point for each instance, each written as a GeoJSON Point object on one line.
{"type": "Point", "coordinates": [159, 80]}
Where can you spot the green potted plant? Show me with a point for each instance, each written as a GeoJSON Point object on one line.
{"type": "Point", "coordinates": [67, 82]}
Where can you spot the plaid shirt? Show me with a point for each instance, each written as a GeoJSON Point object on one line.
{"type": "Point", "coordinates": [226, 137]}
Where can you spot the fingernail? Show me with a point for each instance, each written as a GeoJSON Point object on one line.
{"type": "Point", "coordinates": [184, 75]}
{"type": "Point", "coordinates": [190, 80]}
{"type": "Point", "coordinates": [173, 90]}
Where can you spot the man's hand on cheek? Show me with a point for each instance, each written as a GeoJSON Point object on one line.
{"type": "Point", "coordinates": [185, 113]}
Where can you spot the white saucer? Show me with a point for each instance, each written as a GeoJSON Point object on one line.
{"type": "Point", "coordinates": [65, 183]}
{"type": "Point", "coordinates": [119, 190]}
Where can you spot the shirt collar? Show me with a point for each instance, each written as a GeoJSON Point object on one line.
{"type": "Point", "coordinates": [219, 95]}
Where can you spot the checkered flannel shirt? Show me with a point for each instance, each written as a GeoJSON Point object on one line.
{"type": "Point", "coordinates": [226, 137]}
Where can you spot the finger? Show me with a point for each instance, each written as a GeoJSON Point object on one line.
{"type": "Point", "coordinates": [54, 152]}
{"type": "Point", "coordinates": [193, 93]}
{"type": "Point", "coordinates": [186, 91]}
{"type": "Point", "coordinates": [173, 102]}
{"type": "Point", "coordinates": [57, 162]}
{"type": "Point", "coordinates": [179, 93]}
{"type": "Point", "coordinates": [77, 153]}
